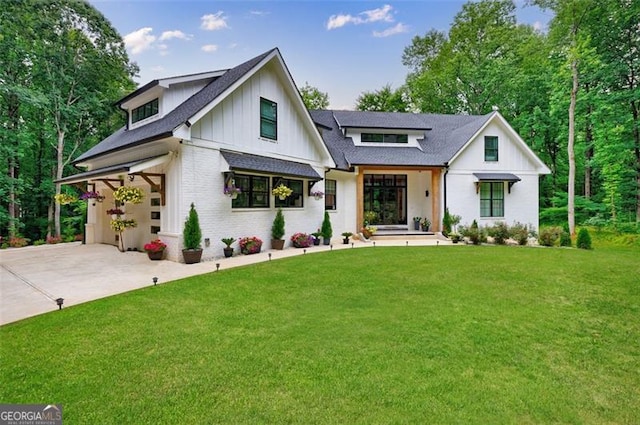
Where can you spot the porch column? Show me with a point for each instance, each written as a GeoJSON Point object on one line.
{"type": "Point", "coordinates": [436, 199]}
{"type": "Point", "coordinates": [359, 198]}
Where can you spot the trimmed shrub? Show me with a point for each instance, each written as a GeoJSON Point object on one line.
{"type": "Point", "coordinates": [326, 229]}
{"type": "Point", "coordinates": [475, 234]}
{"type": "Point", "coordinates": [584, 239]}
{"type": "Point", "coordinates": [499, 232]}
{"type": "Point", "coordinates": [549, 236]}
{"type": "Point", "coordinates": [520, 233]}
{"type": "Point", "coordinates": [277, 229]}
{"type": "Point", "coordinates": [565, 239]}
{"type": "Point", "coordinates": [192, 232]}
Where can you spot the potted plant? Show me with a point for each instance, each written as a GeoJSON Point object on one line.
{"type": "Point", "coordinates": [301, 240]}
{"type": "Point", "coordinates": [455, 237]}
{"type": "Point", "coordinates": [232, 191]}
{"type": "Point", "coordinates": [250, 245]}
{"type": "Point", "coordinates": [416, 223]}
{"type": "Point", "coordinates": [317, 195]}
{"type": "Point", "coordinates": [192, 236]}
{"type": "Point", "coordinates": [326, 229]}
{"type": "Point", "coordinates": [282, 192]}
{"type": "Point", "coordinates": [228, 250]}
{"type": "Point", "coordinates": [119, 225]}
{"type": "Point", "coordinates": [316, 237]}
{"type": "Point", "coordinates": [155, 249]}
{"type": "Point", "coordinates": [277, 231]}
{"type": "Point", "coordinates": [425, 223]}
{"type": "Point", "coordinates": [346, 236]}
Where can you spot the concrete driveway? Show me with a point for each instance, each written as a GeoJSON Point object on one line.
{"type": "Point", "coordinates": [32, 278]}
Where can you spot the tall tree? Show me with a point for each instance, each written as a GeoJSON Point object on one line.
{"type": "Point", "coordinates": [386, 99]}
{"type": "Point", "coordinates": [314, 98]}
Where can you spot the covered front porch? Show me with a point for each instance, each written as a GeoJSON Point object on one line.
{"type": "Point", "coordinates": [398, 196]}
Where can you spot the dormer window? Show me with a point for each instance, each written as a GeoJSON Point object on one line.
{"type": "Point", "coordinates": [147, 110]}
{"type": "Point", "coordinates": [384, 138]}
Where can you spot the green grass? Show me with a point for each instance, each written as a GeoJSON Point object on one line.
{"type": "Point", "coordinates": [485, 335]}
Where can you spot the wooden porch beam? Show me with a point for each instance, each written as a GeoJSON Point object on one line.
{"type": "Point", "coordinates": [108, 183]}
{"type": "Point", "coordinates": [158, 187]}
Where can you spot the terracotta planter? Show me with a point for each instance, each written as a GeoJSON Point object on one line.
{"type": "Point", "coordinates": [155, 256]}
{"type": "Point", "coordinates": [277, 244]}
{"type": "Point", "coordinates": [192, 256]}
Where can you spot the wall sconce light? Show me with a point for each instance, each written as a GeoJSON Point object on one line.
{"type": "Point", "coordinates": [207, 242]}
{"type": "Point", "coordinates": [60, 301]}
{"type": "Point", "coordinates": [426, 193]}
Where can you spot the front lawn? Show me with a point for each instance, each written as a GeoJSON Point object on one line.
{"type": "Point", "coordinates": [379, 335]}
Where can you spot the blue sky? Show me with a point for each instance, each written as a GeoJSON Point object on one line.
{"type": "Point", "coordinates": [342, 48]}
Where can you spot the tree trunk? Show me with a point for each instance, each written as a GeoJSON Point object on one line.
{"type": "Point", "coordinates": [571, 189]}
{"type": "Point", "coordinates": [59, 171]}
{"type": "Point", "coordinates": [636, 136]}
{"type": "Point", "coordinates": [589, 150]}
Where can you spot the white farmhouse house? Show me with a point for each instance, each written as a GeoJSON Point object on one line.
{"type": "Point", "coordinates": [189, 138]}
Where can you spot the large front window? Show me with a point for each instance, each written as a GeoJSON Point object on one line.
{"type": "Point", "coordinates": [268, 119]}
{"type": "Point", "coordinates": [492, 199]}
{"type": "Point", "coordinates": [254, 192]}
{"type": "Point", "coordinates": [295, 199]}
{"type": "Point", "coordinates": [386, 195]}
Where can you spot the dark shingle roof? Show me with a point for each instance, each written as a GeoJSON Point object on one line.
{"type": "Point", "coordinates": [247, 162]}
{"type": "Point", "coordinates": [444, 136]}
{"type": "Point", "coordinates": [164, 126]}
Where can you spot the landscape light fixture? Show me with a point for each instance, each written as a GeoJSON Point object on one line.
{"type": "Point", "coordinates": [304, 251]}
{"type": "Point", "coordinates": [407, 243]}
{"type": "Point", "coordinates": [331, 247]}
{"type": "Point", "coordinates": [351, 244]}
{"type": "Point", "coordinates": [155, 281]}
{"type": "Point", "coordinates": [217, 266]}
{"type": "Point", "coordinates": [60, 301]}
{"type": "Point", "coordinates": [269, 256]}
{"type": "Point", "coordinates": [374, 244]}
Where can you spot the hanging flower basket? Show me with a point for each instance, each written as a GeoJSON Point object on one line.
{"type": "Point", "coordinates": [129, 194]}
{"type": "Point", "coordinates": [317, 195]}
{"type": "Point", "coordinates": [119, 225]}
{"type": "Point", "coordinates": [232, 191]}
{"type": "Point", "coordinates": [64, 199]}
{"type": "Point", "coordinates": [92, 195]}
{"type": "Point", "coordinates": [282, 192]}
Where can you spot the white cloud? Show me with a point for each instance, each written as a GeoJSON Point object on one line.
{"type": "Point", "coordinates": [368, 16]}
{"type": "Point", "coordinates": [214, 21]}
{"type": "Point", "coordinates": [209, 48]}
{"type": "Point", "coordinates": [396, 29]}
{"type": "Point", "coordinates": [157, 68]}
{"type": "Point", "coordinates": [140, 40]}
{"type": "Point", "coordinates": [163, 49]}
{"type": "Point", "coordinates": [168, 35]}
{"type": "Point", "coordinates": [258, 12]}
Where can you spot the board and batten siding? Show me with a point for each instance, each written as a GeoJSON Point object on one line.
{"type": "Point", "coordinates": [234, 124]}
{"type": "Point", "coordinates": [521, 205]}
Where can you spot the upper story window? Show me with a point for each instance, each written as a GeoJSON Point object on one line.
{"type": "Point", "coordinates": [384, 138]}
{"type": "Point", "coordinates": [147, 110]}
{"type": "Point", "coordinates": [268, 119]}
{"type": "Point", "coordinates": [490, 148]}
{"type": "Point", "coordinates": [295, 199]}
{"type": "Point", "coordinates": [255, 192]}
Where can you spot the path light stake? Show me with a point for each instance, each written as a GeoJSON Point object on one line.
{"type": "Point", "coordinates": [155, 280]}
{"type": "Point", "coordinates": [60, 301]}
{"type": "Point", "coordinates": [304, 251]}
{"type": "Point", "coordinates": [407, 242]}
{"type": "Point", "coordinates": [374, 244]}
{"type": "Point", "coordinates": [351, 244]}
{"type": "Point", "coordinates": [217, 266]}
{"type": "Point", "coordinates": [437, 243]}
{"type": "Point", "coordinates": [331, 247]}
{"type": "Point", "coordinates": [269, 256]}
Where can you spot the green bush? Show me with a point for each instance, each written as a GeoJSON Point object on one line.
{"type": "Point", "coordinates": [326, 229]}
{"type": "Point", "coordinates": [446, 222]}
{"type": "Point", "coordinates": [520, 233]}
{"type": "Point", "coordinates": [550, 235]}
{"type": "Point", "coordinates": [584, 239]}
{"type": "Point", "coordinates": [39, 242]}
{"type": "Point", "coordinates": [475, 234]}
{"type": "Point", "coordinates": [499, 232]}
{"type": "Point", "coordinates": [565, 238]}
{"type": "Point", "coordinates": [192, 233]}
{"type": "Point", "coordinates": [277, 229]}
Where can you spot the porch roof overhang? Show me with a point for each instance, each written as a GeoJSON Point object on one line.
{"type": "Point", "coordinates": [262, 164]}
{"type": "Point", "coordinates": [511, 179]}
{"type": "Point", "coordinates": [125, 167]}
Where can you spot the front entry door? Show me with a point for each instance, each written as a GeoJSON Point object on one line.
{"type": "Point", "coordinates": [386, 195]}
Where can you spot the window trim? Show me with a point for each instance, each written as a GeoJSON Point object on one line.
{"type": "Point", "coordinates": [491, 150]}
{"type": "Point", "coordinates": [267, 119]}
{"type": "Point", "coordinates": [492, 198]}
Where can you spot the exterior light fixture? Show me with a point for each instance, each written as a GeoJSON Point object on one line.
{"type": "Point", "coordinates": [351, 244]}
{"type": "Point", "coordinates": [269, 256]}
{"type": "Point", "coordinates": [374, 244]}
{"type": "Point", "coordinates": [331, 247]}
{"type": "Point", "coordinates": [155, 281]}
{"type": "Point", "coordinates": [60, 301]}
{"type": "Point", "coordinates": [304, 251]}
{"type": "Point", "coordinates": [217, 266]}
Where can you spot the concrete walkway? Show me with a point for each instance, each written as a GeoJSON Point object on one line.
{"type": "Point", "coordinates": [32, 278]}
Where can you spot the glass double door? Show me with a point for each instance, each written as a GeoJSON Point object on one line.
{"type": "Point", "coordinates": [386, 195]}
